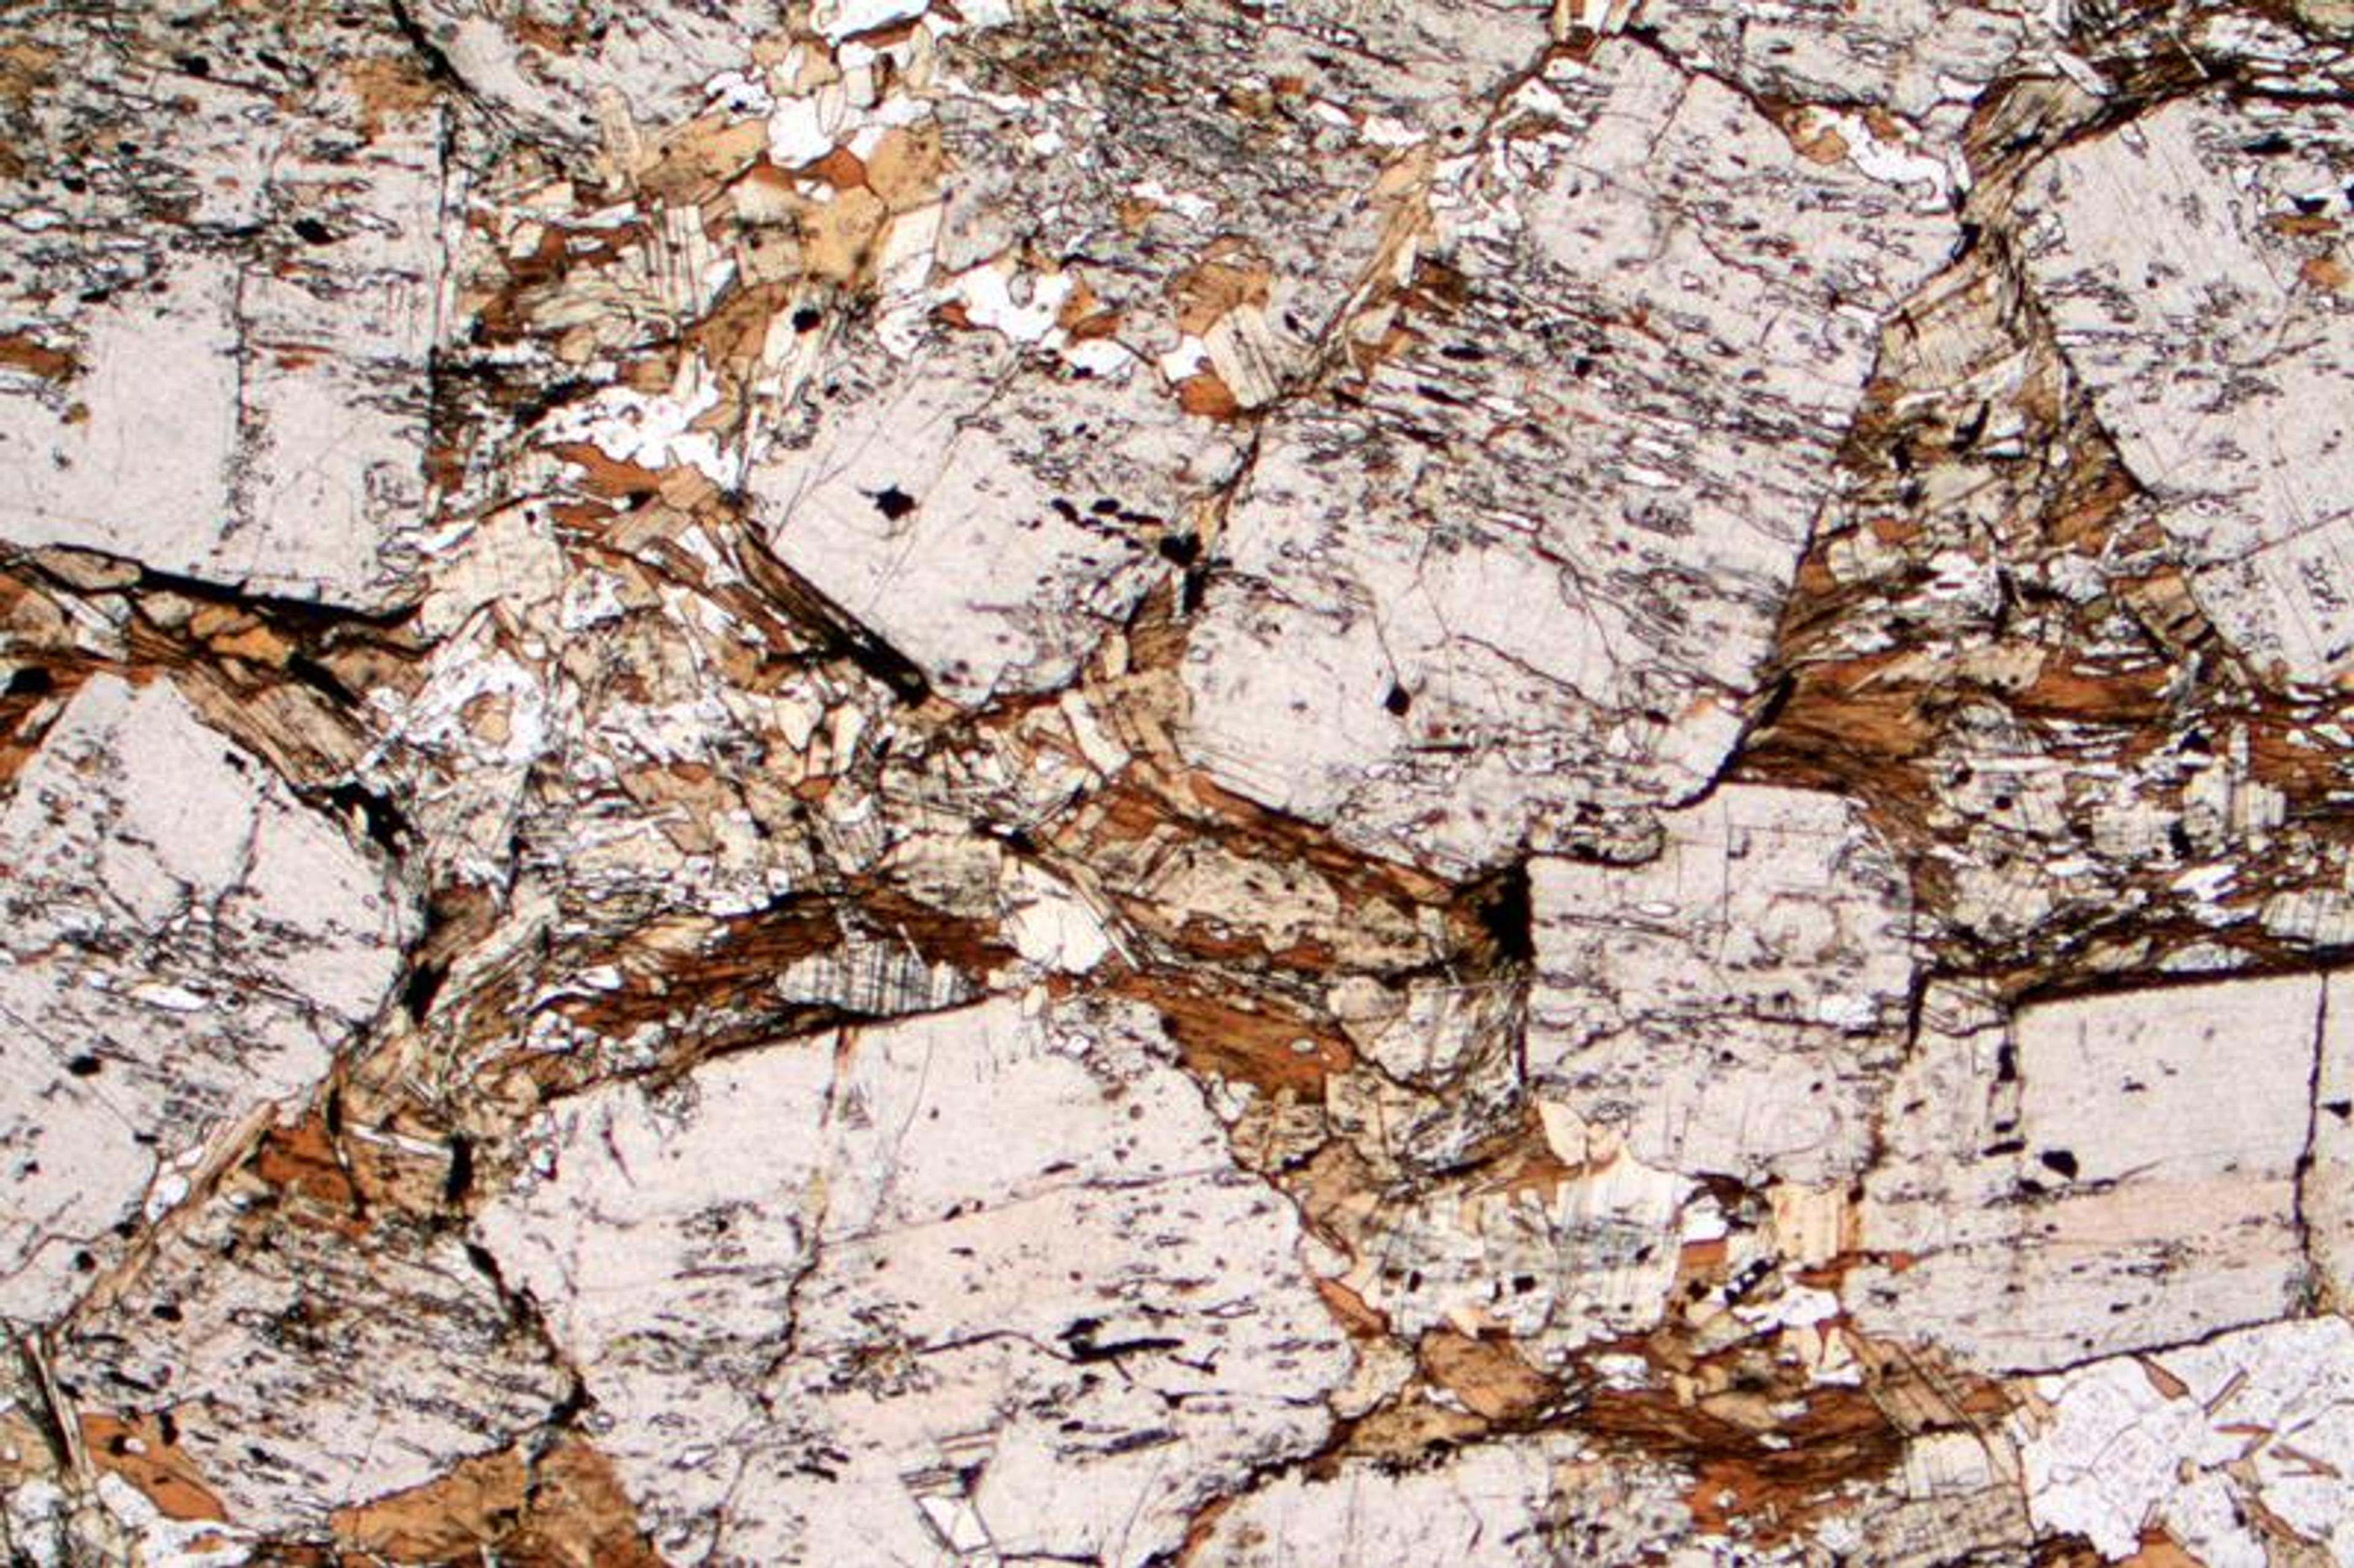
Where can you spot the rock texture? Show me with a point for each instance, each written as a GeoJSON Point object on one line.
{"type": "Point", "coordinates": [1035, 781]}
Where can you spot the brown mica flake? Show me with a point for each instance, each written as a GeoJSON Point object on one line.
{"type": "Point", "coordinates": [1839, 725]}
{"type": "Point", "coordinates": [1205, 293]}
{"type": "Point", "coordinates": [1202, 1529]}
{"type": "Point", "coordinates": [25, 69]}
{"type": "Point", "coordinates": [1248, 825]}
{"type": "Point", "coordinates": [144, 1451]}
{"type": "Point", "coordinates": [2152, 1550]}
{"type": "Point", "coordinates": [1840, 1438]}
{"type": "Point", "coordinates": [2325, 272]}
{"type": "Point", "coordinates": [357, 1157]}
{"type": "Point", "coordinates": [1816, 142]}
{"type": "Point", "coordinates": [907, 167]}
{"type": "Point", "coordinates": [1408, 1430]}
{"type": "Point", "coordinates": [733, 964]}
{"type": "Point", "coordinates": [1080, 309]}
{"type": "Point", "coordinates": [841, 168]}
{"type": "Point", "coordinates": [2160, 1549]}
{"type": "Point", "coordinates": [2089, 695]}
{"type": "Point", "coordinates": [559, 1508]}
{"type": "Point", "coordinates": [304, 1165]}
{"type": "Point", "coordinates": [235, 635]}
{"type": "Point", "coordinates": [461, 1513]}
{"type": "Point", "coordinates": [1211, 939]}
{"type": "Point", "coordinates": [1358, 1319]}
{"type": "Point", "coordinates": [19, 350]}
{"type": "Point", "coordinates": [389, 88]}
{"type": "Point", "coordinates": [1204, 394]}
{"type": "Point", "coordinates": [1487, 1374]}
{"type": "Point", "coordinates": [972, 947]}
{"type": "Point", "coordinates": [1272, 1048]}
{"type": "Point", "coordinates": [608, 476]}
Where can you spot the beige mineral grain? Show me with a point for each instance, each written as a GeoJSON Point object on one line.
{"type": "Point", "coordinates": [1736, 1004]}
{"type": "Point", "coordinates": [187, 944]}
{"type": "Point", "coordinates": [249, 405]}
{"type": "Point", "coordinates": [2185, 260]}
{"type": "Point", "coordinates": [979, 1282]}
{"type": "Point", "coordinates": [2240, 1448]}
{"type": "Point", "coordinates": [991, 520]}
{"type": "Point", "coordinates": [297, 1367]}
{"type": "Point", "coordinates": [1527, 569]}
{"type": "Point", "coordinates": [2111, 1172]}
{"type": "Point", "coordinates": [1491, 1507]}
{"type": "Point", "coordinates": [1556, 1264]}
